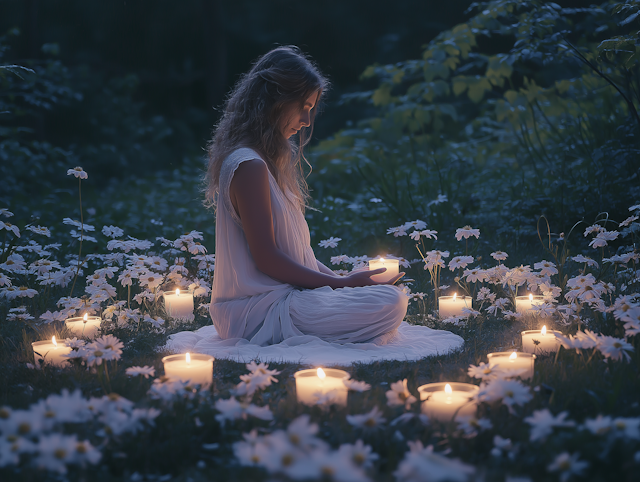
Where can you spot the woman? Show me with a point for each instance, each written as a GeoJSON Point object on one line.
{"type": "Point", "coordinates": [267, 285]}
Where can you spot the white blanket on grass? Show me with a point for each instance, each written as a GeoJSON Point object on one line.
{"type": "Point", "coordinates": [412, 343]}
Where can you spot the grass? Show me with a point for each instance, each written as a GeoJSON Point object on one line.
{"type": "Point", "coordinates": [585, 386]}
{"type": "Point", "coordinates": [566, 382]}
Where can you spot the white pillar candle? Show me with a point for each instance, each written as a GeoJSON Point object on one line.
{"type": "Point", "coordinates": [179, 305]}
{"type": "Point", "coordinates": [314, 383]}
{"type": "Point", "coordinates": [84, 326]}
{"type": "Point", "coordinates": [540, 341]}
{"type": "Point", "coordinates": [525, 304]}
{"type": "Point", "coordinates": [443, 401]}
{"type": "Point", "coordinates": [52, 351]}
{"type": "Point", "coordinates": [519, 363]}
{"type": "Point", "coordinates": [392, 265]}
{"type": "Point", "coordinates": [190, 367]}
{"type": "Point", "coordinates": [452, 305]}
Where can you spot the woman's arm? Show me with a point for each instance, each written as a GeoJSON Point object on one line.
{"type": "Point", "coordinates": [251, 198]}
{"type": "Point", "coordinates": [324, 269]}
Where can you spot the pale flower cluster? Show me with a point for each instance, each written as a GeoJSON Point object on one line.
{"type": "Point", "coordinates": [299, 454]}
{"type": "Point", "coordinates": [39, 436]}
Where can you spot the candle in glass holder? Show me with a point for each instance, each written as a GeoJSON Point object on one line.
{"type": "Point", "coordinates": [443, 401]}
{"type": "Point", "coordinates": [315, 383]}
{"type": "Point", "coordinates": [179, 305]}
{"type": "Point", "coordinates": [195, 368]}
{"type": "Point", "coordinates": [392, 265]}
{"type": "Point", "coordinates": [525, 304]}
{"type": "Point", "coordinates": [51, 351]}
{"type": "Point", "coordinates": [84, 326]}
{"type": "Point", "coordinates": [540, 341]}
{"type": "Point", "coordinates": [449, 306]}
{"type": "Point", "coordinates": [520, 364]}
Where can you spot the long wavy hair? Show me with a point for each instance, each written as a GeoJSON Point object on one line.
{"type": "Point", "coordinates": [253, 113]}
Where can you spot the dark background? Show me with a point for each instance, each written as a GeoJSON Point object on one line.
{"type": "Point", "coordinates": [185, 55]}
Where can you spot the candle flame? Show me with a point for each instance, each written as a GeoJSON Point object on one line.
{"type": "Point", "coordinates": [321, 374]}
{"type": "Point", "coordinates": [454, 296]}
{"type": "Point", "coordinates": [178, 292]}
{"type": "Point", "coordinates": [513, 356]}
{"type": "Point", "coordinates": [53, 340]}
{"type": "Point", "coordinates": [530, 297]}
{"type": "Point", "coordinates": [85, 317]}
{"type": "Point", "coordinates": [544, 330]}
{"type": "Point", "coordinates": [447, 389]}
{"type": "Point", "coordinates": [188, 358]}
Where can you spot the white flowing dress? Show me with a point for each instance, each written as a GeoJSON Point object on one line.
{"type": "Point", "coordinates": [250, 308]}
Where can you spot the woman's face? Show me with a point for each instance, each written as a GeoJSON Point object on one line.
{"type": "Point", "coordinates": [295, 117]}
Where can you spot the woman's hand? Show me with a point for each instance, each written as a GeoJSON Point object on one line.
{"type": "Point", "coordinates": [363, 278]}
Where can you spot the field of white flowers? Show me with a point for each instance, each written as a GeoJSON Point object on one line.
{"type": "Point", "coordinates": [110, 414]}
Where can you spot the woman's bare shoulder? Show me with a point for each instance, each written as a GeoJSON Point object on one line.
{"type": "Point", "coordinates": [251, 168]}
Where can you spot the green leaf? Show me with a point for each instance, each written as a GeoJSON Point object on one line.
{"type": "Point", "coordinates": [477, 88]}
{"type": "Point", "coordinates": [459, 85]}
{"type": "Point", "coordinates": [382, 95]}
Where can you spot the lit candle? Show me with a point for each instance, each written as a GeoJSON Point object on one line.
{"type": "Point", "coordinates": [392, 265]}
{"type": "Point", "coordinates": [521, 364]}
{"type": "Point", "coordinates": [179, 305]}
{"type": "Point", "coordinates": [443, 401]}
{"type": "Point", "coordinates": [452, 305]}
{"type": "Point", "coordinates": [540, 341]}
{"type": "Point", "coordinates": [525, 304]}
{"type": "Point", "coordinates": [314, 383]}
{"type": "Point", "coordinates": [191, 367]}
{"type": "Point", "coordinates": [51, 352]}
{"type": "Point", "coordinates": [85, 326]}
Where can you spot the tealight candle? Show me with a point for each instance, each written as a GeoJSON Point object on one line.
{"type": "Point", "coordinates": [315, 383]}
{"type": "Point", "coordinates": [443, 401]}
{"type": "Point", "coordinates": [51, 351]}
{"type": "Point", "coordinates": [179, 305]}
{"type": "Point", "coordinates": [392, 265]}
{"type": "Point", "coordinates": [540, 341]}
{"type": "Point", "coordinates": [85, 326]}
{"type": "Point", "coordinates": [525, 304]}
{"type": "Point", "coordinates": [191, 367]}
{"type": "Point", "coordinates": [452, 305]}
{"type": "Point", "coordinates": [521, 364]}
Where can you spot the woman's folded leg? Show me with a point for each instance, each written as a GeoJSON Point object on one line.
{"type": "Point", "coordinates": [349, 315]}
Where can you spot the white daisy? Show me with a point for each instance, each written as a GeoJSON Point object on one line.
{"type": "Point", "coordinates": [77, 172]}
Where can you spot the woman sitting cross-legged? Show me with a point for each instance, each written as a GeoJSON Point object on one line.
{"type": "Point", "coordinates": [268, 285]}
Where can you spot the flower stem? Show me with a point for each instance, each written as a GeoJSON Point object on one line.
{"type": "Point", "coordinates": [75, 278]}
